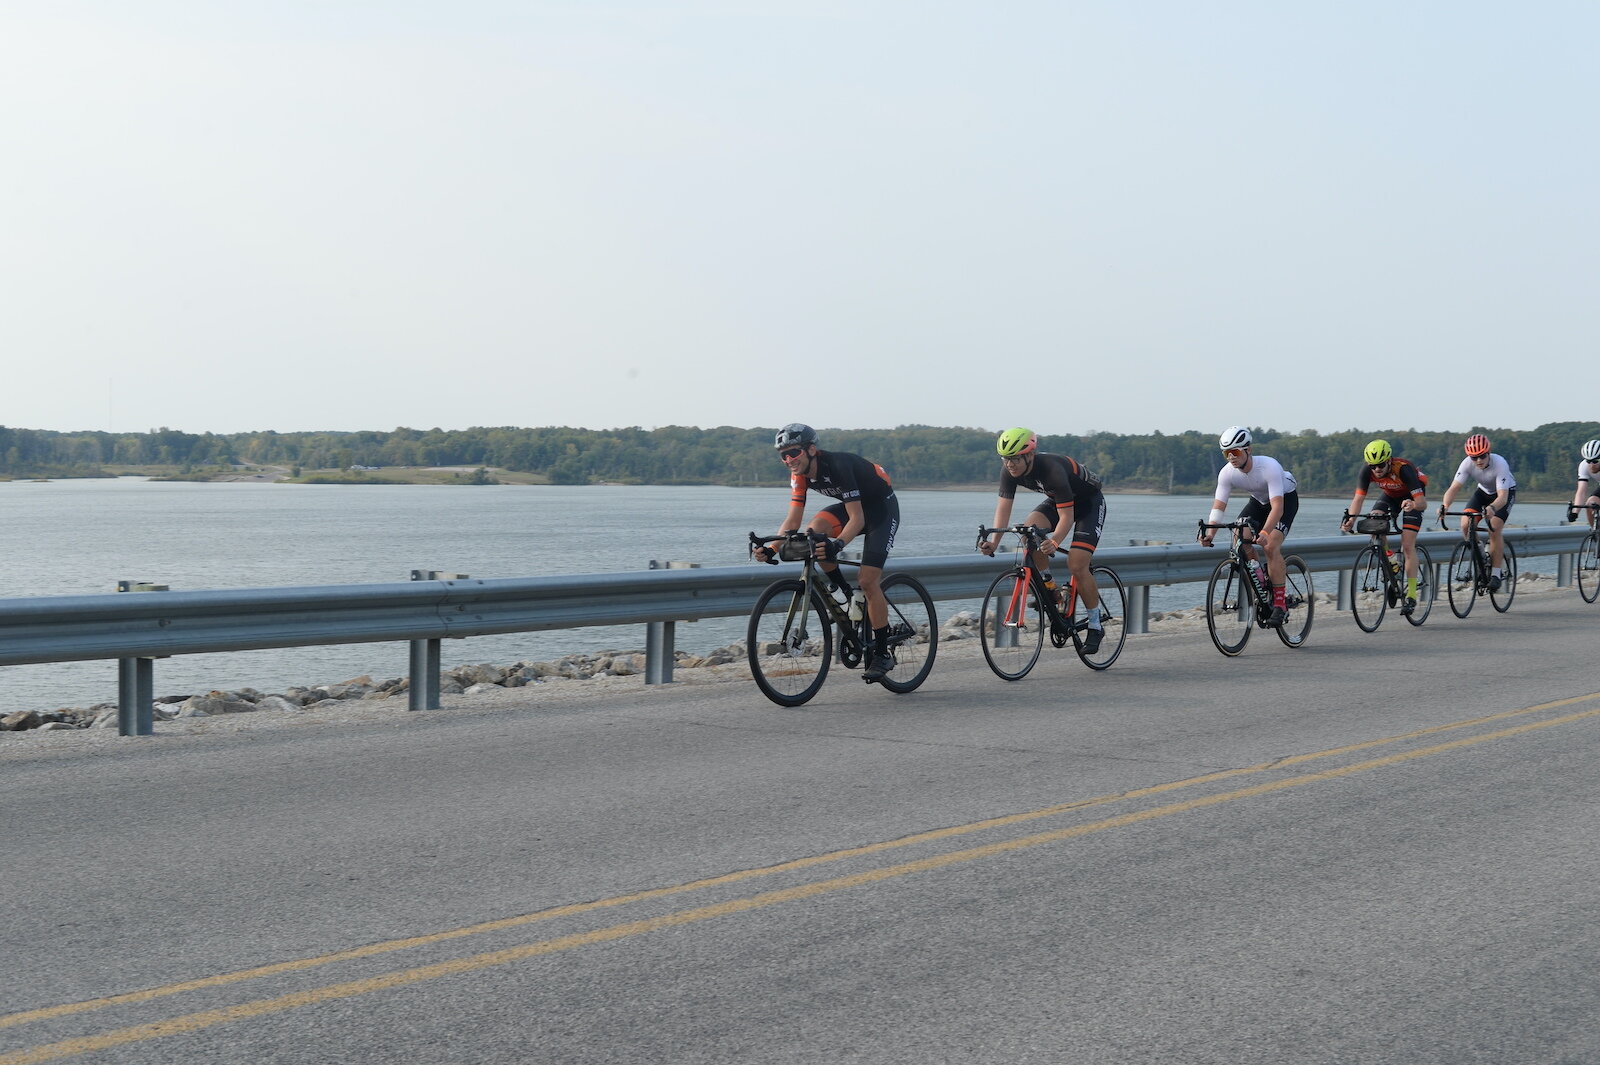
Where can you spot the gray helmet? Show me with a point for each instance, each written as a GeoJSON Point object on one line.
{"type": "Point", "coordinates": [794, 433]}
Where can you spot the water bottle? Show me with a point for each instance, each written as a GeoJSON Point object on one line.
{"type": "Point", "coordinates": [842, 597]}
{"type": "Point", "coordinates": [854, 609]}
{"type": "Point", "coordinates": [1394, 563]}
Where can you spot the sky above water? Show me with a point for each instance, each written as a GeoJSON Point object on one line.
{"type": "Point", "coordinates": [1075, 216]}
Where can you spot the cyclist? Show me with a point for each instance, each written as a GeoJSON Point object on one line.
{"type": "Point", "coordinates": [866, 507]}
{"type": "Point", "coordinates": [1402, 486]}
{"type": "Point", "coordinates": [1588, 478]}
{"type": "Point", "coordinates": [1073, 504]}
{"type": "Point", "coordinates": [1274, 501]}
{"type": "Point", "coordinates": [1493, 497]}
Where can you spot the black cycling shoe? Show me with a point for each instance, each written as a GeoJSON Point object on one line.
{"type": "Point", "coordinates": [1091, 640]}
{"type": "Point", "coordinates": [1407, 607]}
{"type": "Point", "coordinates": [878, 666]}
{"type": "Point", "coordinates": [1494, 583]}
{"type": "Point", "coordinates": [1279, 616]}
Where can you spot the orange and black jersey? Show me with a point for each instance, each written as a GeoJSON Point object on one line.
{"type": "Point", "coordinates": [1403, 480]}
{"type": "Point", "coordinates": [1057, 476]}
{"type": "Point", "coordinates": [844, 477]}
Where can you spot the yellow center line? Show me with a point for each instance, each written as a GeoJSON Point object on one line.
{"type": "Point", "coordinates": [573, 909]}
{"type": "Point", "coordinates": [262, 1007]}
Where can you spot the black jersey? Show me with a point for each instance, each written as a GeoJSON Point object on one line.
{"type": "Point", "coordinates": [1057, 476]}
{"type": "Point", "coordinates": [844, 477]}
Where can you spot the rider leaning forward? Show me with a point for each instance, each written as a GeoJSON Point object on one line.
{"type": "Point", "coordinates": [1402, 487]}
{"type": "Point", "coordinates": [866, 507]}
{"type": "Point", "coordinates": [1588, 478]}
{"type": "Point", "coordinates": [1494, 493]}
{"type": "Point", "coordinates": [1274, 501]}
{"type": "Point", "coordinates": [1073, 504]}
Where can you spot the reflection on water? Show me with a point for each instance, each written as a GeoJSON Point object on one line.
{"type": "Point", "coordinates": [79, 537]}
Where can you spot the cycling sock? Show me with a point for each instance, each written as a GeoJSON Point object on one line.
{"type": "Point", "coordinates": [1495, 572]}
{"type": "Point", "coordinates": [1411, 587]}
{"type": "Point", "coordinates": [1094, 616]}
{"type": "Point", "coordinates": [880, 640]}
{"type": "Point", "coordinates": [1277, 595]}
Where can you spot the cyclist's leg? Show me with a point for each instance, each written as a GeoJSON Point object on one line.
{"type": "Point", "coordinates": [1088, 524]}
{"type": "Point", "coordinates": [877, 539]}
{"type": "Point", "coordinates": [1042, 517]}
{"type": "Point", "coordinates": [830, 521]}
{"type": "Point", "coordinates": [1497, 536]}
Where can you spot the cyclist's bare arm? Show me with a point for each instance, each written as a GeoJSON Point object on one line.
{"type": "Point", "coordinates": [1002, 515]}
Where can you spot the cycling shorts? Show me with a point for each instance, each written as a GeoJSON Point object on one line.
{"type": "Point", "coordinates": [1481, 499]}
{"type": "Point", "coordinates": [1409, 519]}
{"type": "Point", "coordinates": [1255, 512]}
{"type": "Point", "coordinates": [877, 539]}
{"type": "Point", "coordinates": [1088, 519]}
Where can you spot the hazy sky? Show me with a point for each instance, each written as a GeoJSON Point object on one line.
{"type": "Point", "coordinates": [1120, 215]}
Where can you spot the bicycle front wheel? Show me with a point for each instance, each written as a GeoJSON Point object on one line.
{"type": "Point", "coordinates": [1502, 596]}
{"type": "Point", "coordinates": [1369, 589]}
{"type": "Point", "coordinates": [789, 643]}
{"type": "Point", "coordinates": [1589, 568]}
{"type": "Point", "coordinates": [1426, 591]}
{"type": "Point", "coordinates": [913, 632]}
{"type": "Point", "coordinates": [1299, 598]}
{"type": "Point", "coordinates": [1230, 607]}
{"type": "Point", "coordinates": [1461, 582]}
{"type": "Point", "coordinates": [1113, 626]}
{"type": "Point", "coordinates": [1012, 626]}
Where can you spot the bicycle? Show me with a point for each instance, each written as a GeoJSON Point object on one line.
{"type": "Point", "coordinates": [1017, 610]}
{"type": "Point", "coordinates": [1588, 553]}
{"type": "Point", "coordinates": [1470, 570]}
{"type": "Point", "coordinates": [791, 634]}
{"type": "Point", "coordinates": [1378, 579]}
{"type": "Point", "coordinates": [1240, 593]}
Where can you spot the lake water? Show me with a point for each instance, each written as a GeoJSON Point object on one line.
{"type": "Point", "coordinates": [79, 537]}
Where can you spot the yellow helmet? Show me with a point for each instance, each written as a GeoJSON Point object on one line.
{"type": "Point", "coordinates": [1018, 441]}
{"type": "Point", "coordinates": [1377, 453]}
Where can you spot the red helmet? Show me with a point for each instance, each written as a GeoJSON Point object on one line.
{"type": "Point", "coordinates": [1477, 444]}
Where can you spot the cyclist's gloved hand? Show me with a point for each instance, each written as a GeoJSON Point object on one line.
{"type": "Point", "coordinates": [831, 547]}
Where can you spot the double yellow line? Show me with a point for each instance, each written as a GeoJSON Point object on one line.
{"type": "Point", "coordinates": [261, 1007]}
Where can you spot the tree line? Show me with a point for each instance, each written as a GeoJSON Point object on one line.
{"type": "Point", "coordinates": [916, 456]}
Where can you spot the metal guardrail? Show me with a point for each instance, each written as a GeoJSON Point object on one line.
{"type": "Point", "coordinates": [136, 629]}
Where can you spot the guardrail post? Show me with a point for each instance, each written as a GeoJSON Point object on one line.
{"type": "Point", "coordinates": [422, 686]}
{"type": "Point", "coordinates": [660, 637]}
{"type": "Point", "coordinates": [1346, 578]}
{"type": "Point", "coordinates": [1138, 620]}
{"type": "Point", "coordinates": [136, 681]}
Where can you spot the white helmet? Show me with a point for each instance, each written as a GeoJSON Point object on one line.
{"type": "Point", "coordinates": [1235, 436]}
{"type": "Point", "coordinates": [1591, 451]}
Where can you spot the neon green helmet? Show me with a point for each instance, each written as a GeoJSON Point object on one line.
{"type": "Point", "coordinates": [1377, 453]}
{"type": "Point", "coordinates": [1018, 441]}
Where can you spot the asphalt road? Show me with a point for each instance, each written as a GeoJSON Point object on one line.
{"type": "Point", "coordinates": [1374, 849]}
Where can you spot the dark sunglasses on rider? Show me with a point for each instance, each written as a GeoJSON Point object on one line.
{"type": "Point", "coordinates": [790, 452]}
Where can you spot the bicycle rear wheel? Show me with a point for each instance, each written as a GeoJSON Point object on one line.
{"type": "Point", "coordinates": [1230, 607]}
{"type": "Point", "coordinates": [789, 643]}
{"type": "Point", "coordinates": [1502, 596]}
{"type": "Point", "coordinates": [1427, 591]}
{"type": "Point", "coordinates": [1368, 589]}
{"type": "Point", "coordinates": [1299, 598]}
{"type": "Point", "coordinates": [913, 632]}
{"type": "Point", "coordinates": [1589, 568]}
{"type": "Point", "coordinates": [1460, 582]}
{"type": "Point", "coordinates": [1012, 625]}
{"type": "Point", "coordinates": [1113, 626]}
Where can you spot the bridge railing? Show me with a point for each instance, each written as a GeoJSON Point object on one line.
{"type": "Point", "coordinates": [136, 629]}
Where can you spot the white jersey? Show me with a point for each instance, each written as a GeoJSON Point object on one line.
{"type": "Point", "coordinates": [1267, 478]}
{"type": "Point", "coordinates": [1588, 473]}
{"type": "Point", "coordinates": [1493, 478]}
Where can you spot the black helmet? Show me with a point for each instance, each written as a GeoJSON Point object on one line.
{"type": "Point", "coordinates": [795, 433]}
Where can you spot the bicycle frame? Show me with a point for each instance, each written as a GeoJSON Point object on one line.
{"type": "Point", "coordinates": [1476, 547]}
{"type": "Point", "coordinates": [1391, 565]}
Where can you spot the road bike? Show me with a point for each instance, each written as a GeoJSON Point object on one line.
{"type": "Point", "coordinates": [1018, 610]}
{"type": "Point", "coordinates": [1588, 553]}
{"type": "Point", "coordinates": [1470, 570]}
{"type": "Point", "coordinates": [1378, 580]}
{"type": "Point", "coordinates": [1239, 595]}
{"type": "Point", "coordinates": [797, 620]}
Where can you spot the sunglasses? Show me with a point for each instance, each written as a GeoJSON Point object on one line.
{"type": "Point", "coordinates": [790, 452]}
{"type": "Point", "coordinates": [1378, 465]}
{"type": "Point", "coordinates": [1234, 451]}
